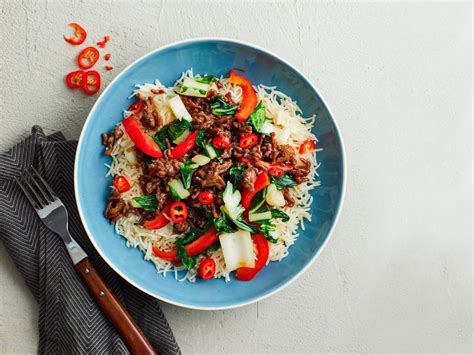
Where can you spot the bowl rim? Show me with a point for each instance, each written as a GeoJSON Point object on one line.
{"type": "Point", "coordinates": [165, 299]}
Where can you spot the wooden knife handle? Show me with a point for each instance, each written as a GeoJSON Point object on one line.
{"type": "Point", "coordinates": [129, 331]}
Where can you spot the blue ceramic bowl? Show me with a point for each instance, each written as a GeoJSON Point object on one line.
{"type": "Point", "coordinates": [216, 56]}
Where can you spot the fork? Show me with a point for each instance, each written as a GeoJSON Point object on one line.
{"type": "Point", "coordinates": [53, 214]}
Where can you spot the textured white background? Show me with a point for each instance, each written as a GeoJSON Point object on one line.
{"type": "Point", "coordinates": [397, 274]}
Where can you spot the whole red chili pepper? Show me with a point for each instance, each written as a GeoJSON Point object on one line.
{"type": "Point", "coordinates": [88, 57]}
{"type": "Point", "coordinates": [79, 36]}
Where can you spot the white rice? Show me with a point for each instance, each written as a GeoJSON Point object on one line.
{"type": "Point", "coordinates": [284, 113]}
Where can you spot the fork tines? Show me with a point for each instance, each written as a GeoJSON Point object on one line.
{"type": "Point", "coordinates": [36, 189]}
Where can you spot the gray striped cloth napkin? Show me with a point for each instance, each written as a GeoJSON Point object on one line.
{"type": "Point", "coordinates": [69, 320]}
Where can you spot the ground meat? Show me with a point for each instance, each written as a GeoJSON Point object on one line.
{"type": "Point", "coordinates": [301, 171]}
{"type": "Point", "coordinates": [150, 118]}
{"type": "Point", "coordinates": [289, 200]}
{"type": "Point", "coordinates": [249, 177]}
{"type": "Point", "coordinates": [109, 140]}
{"type": "Point", "coordinates": [116, 207]}
{"type": "Point", "coordinates": [211, 175]}
{"type": "Point", "coordinates": [181, 227]}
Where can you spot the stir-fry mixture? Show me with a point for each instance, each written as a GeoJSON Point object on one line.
{"type": "Point", "coordinates": [211, 175]}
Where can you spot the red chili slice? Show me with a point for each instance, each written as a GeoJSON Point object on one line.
{"type": "Point", "coordinates": [91, 82]}
{"type": "Point", "coordinates": [143, 142]}
{"type": "Point", "coordinates": [307, 146]}
{"type": "Point", "coordinates": [178, 212]}
{"type": "Point", "coordinates": [136, 107]}
{"type": "Point", "coordinates": [121, 183]}
{"type": "Point", "coordinates": [75, 79]}
{"type": "Point", "coordinates": [161, 220]}
{"type": "Point", "coordinates": [249, 97]}
{"type": "Point", "coordinates": [88, 57]}
{"type": "Point", "coordinates": [262, 181]}
{"type": "Point", "coordinates": [193, 248]}
{"type": "Point", "coordinates": [248, 140]}
{"type": "Point", "coordinates": [184, 147]}
{"type": "Point", "coordinates": [109, 67]}
{"type": "Point", "coordinates": [205, 197]}
{"type": "Point", "coordinates": [207, 269]}
{"type": "Point", "coordinates": [221, 142]}
{"type": "Point", "coordinates": [79, 35]}
{"type": "Point", "coordinates": [263, 251]}
{"type": "Point", "coordinates": [107, 56]}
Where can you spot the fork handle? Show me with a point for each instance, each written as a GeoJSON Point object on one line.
{"type": "Point", "coordinates": [129, 331]}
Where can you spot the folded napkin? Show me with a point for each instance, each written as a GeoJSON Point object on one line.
{"type": "Point", "coordinates": [69, 320]}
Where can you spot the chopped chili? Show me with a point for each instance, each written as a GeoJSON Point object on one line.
{"type": "Point", "coordinates": [307, 146]}
{"type": "Point", "coordinates": [88, 57]}
{"type": "Point", "coordinates": [91, 82]}
{"type": "Point", "coordinates": [248, 140]}
{"type": "Point", "coordinates": [205, 197]}
{"type": "Point", "coordinates": [121, 183]}
{"type": "Point", "coordinates": [103, 43]}
{"type": "Point", "coordinates": [136, 107]}
{"type": "Point", "coordinates": [79, 35]}
{"type": "Point", "coordinates": [107, 56]}
{"type": "Point", "coordinates": [75, 79]}
{"type": "Point", "coordinates": [207, 269]}
{"type": "Point", "coordinates": [109, 67]}
{"type": "Point", "coordinates": [221, 142]}
{"type": "Point", "coordinates": [178, 212]}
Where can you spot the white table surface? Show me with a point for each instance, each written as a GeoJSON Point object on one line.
{"type": "Point", "coordinates": [396, 275]}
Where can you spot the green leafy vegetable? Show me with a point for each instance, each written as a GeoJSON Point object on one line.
{"type": "Point", "coordinates": [286, 180]}
{"type": "Point", "coordinates": [236, 173]}
{"type": "Point", "coordinates": [258, 118]}
{"type": "Point", "coordinates": [188, 262]}
{"type": "Point", "coordinates": [206, 79]}
{"type": "Point", "coordinates": [268, 230]}
{"type": "Point", "coordinates": [177, 128]}
{"type": "Point", "coordinates": [224, 225]}
{"type": "Point", "coordinates": [277, 213]}
{"type": "Point", "coordinates": [187, 170]}
{"type": "Point", "coordinates": [147, 202]}
{"type": "Point", "coordinates": [201, 138]}
{"type": "Point", "coordinates": [212, 248]}
{"type": "Point", "coordinates": [258, 200]}
{"type": "Point", "coordinates": [160, 137]}
{"type": "Point", "coordinates": [220, 107]}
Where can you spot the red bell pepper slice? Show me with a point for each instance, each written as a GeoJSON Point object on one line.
{"type": "Point", "coordinates": [263, 251]}
{"type": "Point", "coordinates": [161, 220]}
{"type": "Point", "coordinates": [207, 269]}
{"type": "Point", "coordinates": [249, 97]}
{"type": "Point", "coordinates": [88, 57]}
{"type": "Point", "coordinates": [143, 142]}
{"type": "Point", "coordinates": [91, 82]}
{"type": "Point", "coordinates": [262, 181]}
{"type": "Point", "coordinates": [194, 248]}
{"type": "Point", "coordinates": [75, 79]}
{"type": "Point", "coordinates": [79, 36]}
{"type": "Point", "coordinates": [121, 184]}
{"type": "Point", "coordinates": [307, 146]}
{"type": "Point", "coordinates": [248, 140]}
{"type": "Point", "coordinates": [184, 147]}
